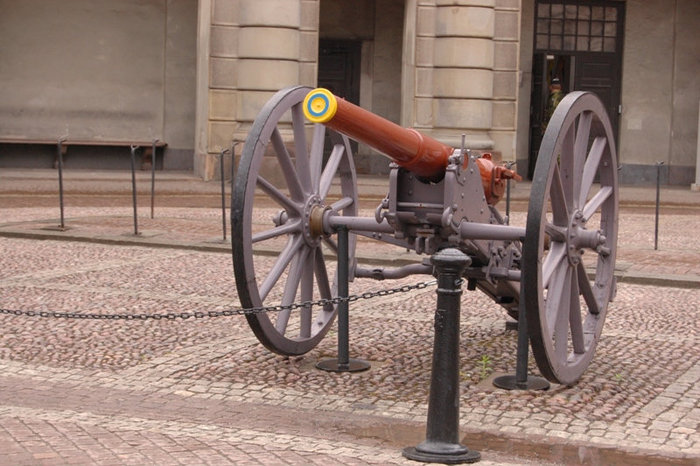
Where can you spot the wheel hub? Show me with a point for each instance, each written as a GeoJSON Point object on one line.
{"type": "Point", "coordinates": [312, 227]}
{"type": "Point", "coordinates": [578, 238]}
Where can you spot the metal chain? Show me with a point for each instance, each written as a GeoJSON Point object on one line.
{"type": "Point", "coordinates": [226, 313]}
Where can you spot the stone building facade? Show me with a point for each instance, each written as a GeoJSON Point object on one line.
{"type": "Point", "coordinates": [196, 73]}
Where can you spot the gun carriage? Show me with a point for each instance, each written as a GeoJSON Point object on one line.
{"type": "Point", "coordinates": [285, 216]}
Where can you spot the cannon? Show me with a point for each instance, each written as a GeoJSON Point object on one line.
{"type": "Point", "coordinates": [290, 197]}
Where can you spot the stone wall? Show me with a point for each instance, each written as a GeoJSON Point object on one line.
{"type": "Point", "coordinates": [99, 70]}
{"type": "Point", "coordinates": [255, 48]}
{"type": "Point", "coordinates": [660, 90]}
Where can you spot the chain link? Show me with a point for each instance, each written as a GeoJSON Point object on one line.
{"type": "Point", "coordinates": [226, 313]}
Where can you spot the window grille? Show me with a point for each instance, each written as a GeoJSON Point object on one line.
{"type": "Point", "coordinates": [576, 26]}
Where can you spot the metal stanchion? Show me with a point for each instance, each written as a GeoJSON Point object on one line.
{"type": "Point", "coordinates": [153, 175]}
{"type": "Point", "coordinates": [223, 190]}
{"type": "Point", "coordinates": [658, 202]}
{"type": "Point", "coordinates": [343, 363]}
{"type": "Point", "coordinates": [62, 225]}
{"type": "Point", "coordinates": [521, 380]}
{"type": "Point", "coordinates": [233, 163]}
{"type": "Point", "coordinates": [509, 166]}
{"type": "Point", "coordinates": [133, 187]}
{"type": "Point", "coordinates": [441, 444]}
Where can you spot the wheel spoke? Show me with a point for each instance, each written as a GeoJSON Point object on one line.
{"type": "Point", "coordinates": [560, 209]}
{"type": "Point", "coordinates": [278, 196]}
{"type": "Point", "coordinates": [307, 293]}
{"type": "Point", "coordinates": [290, 289]}
{"type": "Point", "coordinates": [287, 167]}
{"type": "Point", "coordinates": [561, 310]}
{"type": "Point", "coordinates": [316, 158]}
{"type": "Point", "coordinates": [551, 263]}
{"type": "Point", "coordinates": [330, 170]}
{"type": "Point", "coordinates": [591, 168]}
{"type": "Point", "coordinates": [331, 244]}
{"type": "Point", "coordinates": [566, 165]}
{"type": "Point", "coordinates": [583, 133]}
{"type": "Point", "coordinates": [596, 201]}
{"type": "Point", "coordinates": [555, 233]}
{"type": "Point", "coordinates": [586, 290]}
{"type": "Point", "coordinates": [340, 204]}
{"type": "Point", "coordinates": [292, 226]}
{"type": "Point", "coordinates": [575, 324]}
{"type": "Point", "coordinates": [324, 285]}
{"type": "Point", "coordinates": [300, 150]}
{"type": "Point", "coordinates": [555, 293]}
{"type": "Point", "coordinates": [288, 253]}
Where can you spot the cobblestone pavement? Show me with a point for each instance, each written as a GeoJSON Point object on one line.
{"type": "Point", "coordinates": [205, 392]}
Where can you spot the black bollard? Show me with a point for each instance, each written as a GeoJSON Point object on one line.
{"type": "Point", "coordinates": [441, 444]}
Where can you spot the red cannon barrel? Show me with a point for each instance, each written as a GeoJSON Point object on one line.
{"type": "Point", "coordinates": [420, 154]}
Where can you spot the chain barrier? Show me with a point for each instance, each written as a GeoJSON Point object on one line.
{"type": "Point", "coordinates": [225, 313]}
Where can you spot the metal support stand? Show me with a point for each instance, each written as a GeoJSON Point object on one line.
{"type": "Point", "coordinates": [153, 175]}
{"type": "Point", "coordinates": [658, 201]}
{"type": "Point", "coordinates": [521, 381]}
{"type": "Point", "coordinates": [62, 225]}
{"type": "Point", "coordinates": [223, 191]}
{"type": "Point", "coordinates": [133, 187]}
{"type": "Point", "coordinates": [343, 363]}
{"type": "Point", "coordinates": [441, 444]}
{"type": "Point", "coordinates": [509, 165]}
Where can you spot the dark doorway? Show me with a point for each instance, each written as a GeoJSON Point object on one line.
{"type": "Point", "coordinates": [339, 72]}
{"type": "Point", "coordinates": [339, 68]}
{"type": "Point", "coordinates": [578, 42]}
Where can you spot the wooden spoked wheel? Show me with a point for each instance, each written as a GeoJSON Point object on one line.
{"type": "Point", "coordinates": [571, 234]}
{"type": "Point", "coordinates": [281, 253]}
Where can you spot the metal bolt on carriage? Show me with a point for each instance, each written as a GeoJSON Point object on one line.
{"type": "Point", "coordinates": [289, 199]}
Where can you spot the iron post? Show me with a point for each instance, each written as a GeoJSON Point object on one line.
{"type": "Point", "coordinates": [223, 191]}
{"type": "Point", "coordinates": [658, 202]}
{"type": "Point", "coordinates": [441, 444]}
{"type": "Point", "coordinates": [343, 363]}
{"type": "Point", "coordinates": [62, 226]}
{"type": "Point", "coordinates": [521, 381]}
{"type": "Point", "coordinates": [509, 166]}
{"type": "Point", "coordinates": [133, 187]}
{"type": "Point", "coordinates": [153, 175]}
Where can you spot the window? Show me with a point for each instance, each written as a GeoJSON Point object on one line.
{"type": "Point", "coordinates": [576, 26]}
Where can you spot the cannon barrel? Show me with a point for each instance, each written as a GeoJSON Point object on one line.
{"type": "Point", "coordinates": [416, 152]}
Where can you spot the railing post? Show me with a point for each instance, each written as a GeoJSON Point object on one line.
{"type": "Point", "coordinates": [133, 187]}
{"type": "Point", "coordinates": [658, 202]}
{"type": "Point", "coordinates": [223, 190]}
{"type": "Point", "coordinates": [62, 226]}
{"type": "Point", "coordinates": [441, 444]}
{"type": "Point", "coordinates": [153, 175]}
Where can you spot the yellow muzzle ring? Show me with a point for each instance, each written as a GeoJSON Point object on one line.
{"type": "Point", "coordinates": [320, 105]}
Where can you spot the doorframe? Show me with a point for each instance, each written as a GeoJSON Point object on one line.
{"type": "Point", "coordinates": [569, 83]}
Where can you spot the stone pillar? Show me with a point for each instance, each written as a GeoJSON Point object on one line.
{"type": "Point", "coordinates": [506, 44]}
{"type": "Point", "coordinates": [454, 63]}
{"type": "Point", "coordinates": [256, 47]}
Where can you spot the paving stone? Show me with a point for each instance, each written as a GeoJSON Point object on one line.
{"type": "Point", "coordinates": [205, 392]}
